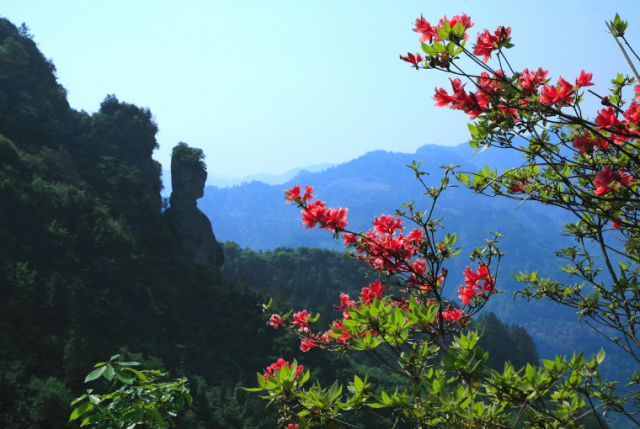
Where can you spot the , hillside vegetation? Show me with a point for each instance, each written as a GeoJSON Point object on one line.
{"type": "Point", "coordinates": [90, 267]}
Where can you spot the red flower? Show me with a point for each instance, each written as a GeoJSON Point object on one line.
{"type": "Point", "coordinates": [276, 321]}
{"type": "Point", "coordinates": [605, 177]}
{"type": "Point", "coordinates": [317, 213]}
{"type": "Point", "coordinates": [307, 193]}
{"type": "Point", "coordinates": [373, 291]}
{"type": "Point", "coordinates": [466, 294]}
{"type": "Point", "coordinates": [349, 238]}
{"type": "Point", "coordinates": [302, 319]}
{"type": "Point", "coordinates": [463, 19]}
{"type": "Point", "coordinates": [482, 274]}
{"type": "Point", "coordinates": [515, 189]}
{"type": "Point", "coordinates": [452, 315]}
{"type": "Point", "coordinates": [484, 45]}
{"type": "Point", "coordinates": [457, 85]}
{"type": "Point", "coordinates": [603, 190]}
{"type": "Point", "coordinates": [337, 328]}
{"type": "Point", "coordinates": [442, 97]}
{"type": "Point", "coordinates": [460, 100]}
{"type": "Point", "coordinates": [387, 225]}
{"type": "Point", "coordinates": [625, 178]}
{"type": "Point", "coordinates": [583, 142]}
{"type": "Point", "coordinates": [490, 89]}
{"type": "Point", "coordinates": [373, 333]}
{"type": "Point", "coordinates": [633, 113]}
{"type": "Point", "coordinates": [336, 219]}
{"type": "Point", "coordinates": [415, 236]}
{"type": "Point", "coordinates": [551, 95]}
{"type": "Point", "coordinates": [529, 81]}
{"type": "Point", "coordinates": [486, 42]}
{"type": "Point", "coordinates": [584, 79]}
{"type": "Point", "coordinates": [509, 112]}
{"type": "Point", "coordinates": [292, 194]}
{"type": "Point", "coordinates": [602, 181]}
{"type": "Point", "coordinates": [345, 302]}
{"type": "Point", "coordinates": [277, 366]}
{"type": "Point", "coordinates": [314, 213]}
{"type": "Point", "coordinates": [566, 90]}
{"type": "Point", "coordinates": [473, 283]}
{"type": "Point", "coordinates": [606, 118]}
{"type": "Point", "coordinates": [616, 225]}
{"type": "Point", "coordinates": [413, 59]}
{"type": "Point", "coordinates": [428, 32]}
{"type": "Point", "coordinates": [420, 267]}
{"type": "Point", "coordinates": [308, 344]}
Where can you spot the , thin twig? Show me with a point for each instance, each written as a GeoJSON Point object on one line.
{"type": "Point", "coordinates": [630, 48]}
{"type": "Point", "coordinates": [623, 51]}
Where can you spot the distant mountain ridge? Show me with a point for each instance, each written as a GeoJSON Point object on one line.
{"type": "Point", "coordinates": [226, 180]}
{"type": "Point", "coordinates": [378, 180]}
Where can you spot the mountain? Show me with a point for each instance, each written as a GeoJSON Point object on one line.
{"type": "Point", "coordinates": [255, 216]}
{"type": "Point", "coordinates": [225, 180]}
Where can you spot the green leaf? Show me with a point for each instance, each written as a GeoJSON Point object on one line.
{"type": "Point", "coordinates": [139, 416]}
{"type": "Point", "coordinates": [96, 418]}
{"type": "Point", "coordinates": [334, 391]}
{"type": "Point", "coordinates": [451, 48]}
{"type": "Point", "coordinates": [87, 406]}
{"type": "Point", "coordinates": [600, 356]}
{"type": "Point", "coordinates": [261, 381]}
{"type": "Point", "coordinates": [114, 357]}
{"type": "Point", "coordinates": [357, 382]}
{"type": "Point", "coordinates": [123, 377]}
{"type": "Point", "coordinates": [428, 49]}
{"type": "Point", "coordinates": [140, 375]}
{"type": "Point", "coordinates": [464, 413]}
{"type": "Point", "coordinates": [127, 363]}
{"type": "Point", "coordinates": [75, 401]}
{"type": "Point", "coordinates": [463, 178]}
{"type": "Point", "coordinates": [444, 395]}
{"type": "Point", "coordinates": [95, 374]}
{"type": "Point", "coordinates": [109, 373]}
{"type": "Point", "coordinates": [305, 377]}
{"type": "Point", "coordinates": [157, 416]}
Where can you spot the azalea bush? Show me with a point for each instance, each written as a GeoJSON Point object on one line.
{"type": "Point", "coordinates": [406, 323]}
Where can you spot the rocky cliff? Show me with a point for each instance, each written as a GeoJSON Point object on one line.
{"type": "Point", "coordinates": [188, 176]}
